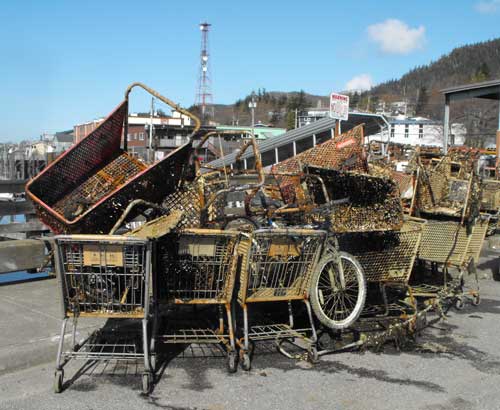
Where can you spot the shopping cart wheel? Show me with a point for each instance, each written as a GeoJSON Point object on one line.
{"type": "Point", "coordinates": [152, 361]}
{"type": "Point", "coordinates": [476, 299]}
{"type": "Point", "coordinates": [58, 381]}
{"type": "Point", "coordinates": [147, 382]}
{"type": "Point", "coordinates": [232, 362]}
{"type": "Point", "coordinates": [459, 303]}
{"type": "Point", "coordinates": [313, 355]}
{"type": "Point", "coordinates": [246, 363]}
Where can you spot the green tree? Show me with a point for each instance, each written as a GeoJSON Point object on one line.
{"type": "Point", "coordinates": [422, 100]}
{"type": "Point", "coordinates": [482, 73]}
{"type": "Point", "coordinates": [290, 120]}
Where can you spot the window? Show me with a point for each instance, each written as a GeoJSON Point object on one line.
{"type": "Point", "coordinates": [407, 130]}
{"type": "Point", "coordinates": [285, 152]}
{"type": "Point", "coordinates": [304, 144]}
{"type": "Point", "coordinates": [268, 158]}
{"type": "Point", "coordinates": [141, 136]}
{"type": "Point", "coordinates": [129, 137]}
{"type": "Point", "coordinates": [323, 136]}
{"type": "Point", "coordinates": [392, 131]}
{"type": "Point", "coordinates": [251, 163]}
{"type": "Point", "coordinates": [421, 131]}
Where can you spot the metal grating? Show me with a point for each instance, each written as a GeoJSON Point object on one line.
{"type": "Point", "coordinates": [198, 266]}
{"type": "Point", "coordinates": [444, 242]}
{"type": "Point", "coordinates": [102, 277]}
{"type": "Point", "coordinates": [385, 256]}
{"type": "Point", "coordinates": [279, 264]}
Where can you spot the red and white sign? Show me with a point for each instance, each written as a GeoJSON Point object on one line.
{"type": "Point", "coordinates": [346, 143]}
{"type": "Point", "coordinates": [339, 106]}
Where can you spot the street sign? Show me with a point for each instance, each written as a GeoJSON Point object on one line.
{"type": "Point", "coordinates": [339, 106]}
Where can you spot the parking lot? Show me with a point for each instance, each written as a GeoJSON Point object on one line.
{"type": "Point", "coordinates": [455, 364]}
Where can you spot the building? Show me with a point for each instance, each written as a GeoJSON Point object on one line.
{"type": "Point", "coordinates": [420, 131]}
{"type": "Point", "coordinates": [293, 142]}
{"type": "Point", "coordinates": [169, 132]}
{"type": "Point", "coordinates": [80, 131]}
{"type": "Point", "coordinates": [261, 132]}
{"type": "Point", "coordinates": [63, 140]}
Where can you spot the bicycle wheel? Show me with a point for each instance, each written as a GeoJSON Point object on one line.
{"type": "Point", "coordinates": [338, 303]}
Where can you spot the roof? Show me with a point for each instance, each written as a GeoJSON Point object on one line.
{"type": "Point", "coordinates": [261, 132]}
{"type": "Point", "coordinates": [415, 122]}
{"type": "Point", "coordinates": [64, 136]}
{"type": "Point", "coordinates": [372, 122]}
{"type": "Point", "coordinates": [486, 89]}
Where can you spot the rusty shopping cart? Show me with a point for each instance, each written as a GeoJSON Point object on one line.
{"type": "Point", "coordinates": [88, 187]}
{"type": "Point", "coordinates": [197, 270]}
{"type": "Point", "coordinates": [387, 259]}
{"type": "Point", "coordinates": [277, 267]}
{"type": "Point", "coordinates": [104, 277]}
{"type": "Point", "coordinates": [448, 244]}
{"type": "Point", "coordinates": [490, 202]}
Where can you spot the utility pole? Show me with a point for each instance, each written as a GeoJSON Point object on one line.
{"type": "Point", "coordinates": [253, 105]}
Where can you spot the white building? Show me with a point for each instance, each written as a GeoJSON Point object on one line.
{"type": "Point", "coordinates": [420, 131]}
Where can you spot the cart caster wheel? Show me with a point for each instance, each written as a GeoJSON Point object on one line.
{"type": "Point", "coordinates": [152, 361]}
{"type": "Point", "coordinates": [459, 303]}
{"type": "Point", "coordinates": [313, 355]}
{"type": "Point", "coordinates": [232, 362]}
{"type": "Point", "coordinates": [147, 383]}
{"type": "Point", "coordinates": [246, 363]}
{"type": "Point", "coordinates": [476, 300]}
{"type": "Point", "coordinates": [58, 381]}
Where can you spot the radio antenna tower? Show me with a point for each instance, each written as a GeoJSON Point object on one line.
{"type": "Point", "coordinates": [204, 95]}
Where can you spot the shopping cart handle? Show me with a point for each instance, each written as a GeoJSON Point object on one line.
{"type": "Point", "coordinates": [168, 102]}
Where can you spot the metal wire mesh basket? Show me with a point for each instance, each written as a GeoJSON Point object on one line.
{"type": "Point", "coordinates": [198, 266]}
{"type": "Point", "coordinates": [386, 256]}
{"type": "Point", "coordinates": [106, 276]}
{"type": "Point", "coordinates": [490, 200]}
{"type": "Point", "coordinates": [448, 242]}
{"type": "Point", "coordinates": [87, 188]}
{"type": "Point", "coordinates": [279, 263]}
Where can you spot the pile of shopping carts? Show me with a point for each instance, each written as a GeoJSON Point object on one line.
{"type": "Point", "coordinates": [196, 257]}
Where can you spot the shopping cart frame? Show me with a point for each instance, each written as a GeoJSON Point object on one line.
{"type": "Point", "coordinates": [197, 241]}
{"type": "Point", "coordinates": [295, 275]}
{"type": "Point", "coordinates": [98, 250]}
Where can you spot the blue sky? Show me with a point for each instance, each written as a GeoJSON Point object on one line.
{"type": "Point", "coordinates": [65, 62]}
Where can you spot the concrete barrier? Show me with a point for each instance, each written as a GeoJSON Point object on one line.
{"type": "Point", "coordinates": [21, 255]}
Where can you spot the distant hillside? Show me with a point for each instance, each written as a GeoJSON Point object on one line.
{"type": "Point", "coordinates": [420, 88]}
{"type": "Point", "coordinates": [467, 64]}
{"type": "Point", "coordinates": [273, 107]}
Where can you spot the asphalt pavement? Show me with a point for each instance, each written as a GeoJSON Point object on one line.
{"type": "Point", "coordinates": [455, 364]}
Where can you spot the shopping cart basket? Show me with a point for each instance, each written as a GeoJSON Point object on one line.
{"type": "Point", "coordinates": [277, 268]}
{"type": "Point", "coordinates": [448, 244]}
{"type": "Point", "coordinates": [88, 187]}
{"type": "Point", "coordinates": [106, 277]}
{"type": "Point", "coordinates": [197, 267]}
{"type": "Point", "coordinates": [387, 259]}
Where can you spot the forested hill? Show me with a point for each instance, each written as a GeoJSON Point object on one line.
{"type": "Point", "coordinates": [419, 88]}
{"type": "Point", "coordinates": [467, 64]}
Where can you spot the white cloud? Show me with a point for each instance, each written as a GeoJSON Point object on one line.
{"type": "Point", "coordinates": [488, 6]}
{"type": "Point", "coordinates": [360, 82]}
{"type": "Point", "coordinates": [396, 37]}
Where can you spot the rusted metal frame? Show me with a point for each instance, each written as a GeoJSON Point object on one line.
{"type": "Point", "coordinates": [167, 101]}
{"type": "Point", "coordinates": [129, 208]}
{"type": "Point", "coordinates": [205, 138]}
{"type": "Point", "coordinates": [246, 187]}
{"type": "Point", "coordinates": [466, 202]}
